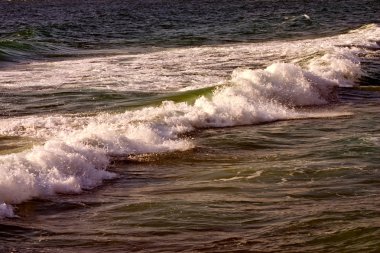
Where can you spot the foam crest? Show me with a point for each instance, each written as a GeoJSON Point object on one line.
{"type": "Point", "coordinates": [132, 138]}
{"type": "Point", "coordinates": [55, 167]}
{"type": "Point", "coordinates": [73, 161]}
{"type": "Point", "coordinates": [340, 66]}
{"type": "Point", "coordinates": [286, 83]}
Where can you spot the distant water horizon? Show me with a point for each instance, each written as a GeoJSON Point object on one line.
{"type": "Point", "coordinates": [189, 126]}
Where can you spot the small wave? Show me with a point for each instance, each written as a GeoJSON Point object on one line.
{"type": "Point", "coordinates": [13, 51]}
{"type": "Point", "coordinates": [303, 20]}
{"type": "Point", "coordinates": [237, 177]}
{"type": "Point", "coordinates": [18, 49]}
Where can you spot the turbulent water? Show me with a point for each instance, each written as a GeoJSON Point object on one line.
{"type": "Point", "coordinates": [189, 126]}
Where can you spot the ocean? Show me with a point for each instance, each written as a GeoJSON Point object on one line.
{"type": "Point", "coordinates": [189, 126]}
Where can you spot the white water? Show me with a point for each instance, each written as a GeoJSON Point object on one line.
{"type": "Point", "coordinates": [188, 68]}
{"type": "Point", "coordinates": [75, 151]}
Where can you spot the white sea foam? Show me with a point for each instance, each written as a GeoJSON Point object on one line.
{"type": "Point", "coordinates": [187, 68]}
{"type": "Point", "coordinates": [341, 66]}
{"type": "Point", "coordinates": [75, 151]}
{"type": "Point", "coordinates": [56, 167]}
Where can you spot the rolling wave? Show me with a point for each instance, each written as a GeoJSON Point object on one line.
{"type": "Point", "coordinates": [75, 151]}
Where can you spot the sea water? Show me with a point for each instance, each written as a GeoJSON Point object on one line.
{"type": "Point", "coordinates": [195, 126]}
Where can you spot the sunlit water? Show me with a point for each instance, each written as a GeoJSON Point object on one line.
{"type": "Point", "coordinates": [200, 126]}
{"type": "Point", "coordinates": [291, 186]}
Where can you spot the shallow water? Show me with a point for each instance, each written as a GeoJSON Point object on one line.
{"type": "Point", "coordinates": [195, 126]}
{"type": "Point", "coordinates": [289, 186]}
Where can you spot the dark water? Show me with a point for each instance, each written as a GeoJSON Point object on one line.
{"type": "Point", "coordinates": [189, 126]}
{"type": "Point", "coordinates": [55, 28]}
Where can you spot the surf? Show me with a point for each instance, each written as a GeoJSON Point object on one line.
{"type": "Point", "coordinates": [74, 152]}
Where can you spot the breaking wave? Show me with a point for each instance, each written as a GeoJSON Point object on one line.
{"type": "Point", "coordinates": [75, 152]}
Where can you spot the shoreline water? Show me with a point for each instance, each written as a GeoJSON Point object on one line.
{"type": "Point", "coordinates": [167, 196]}
{"type": "Point", "coordinates": [208, 146]}
{"type": "Point", "coordinates": [259, 96]}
